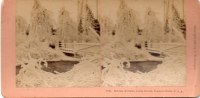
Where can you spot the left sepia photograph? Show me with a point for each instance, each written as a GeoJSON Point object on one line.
{"type": "Point", "coordinates": [55, 40]}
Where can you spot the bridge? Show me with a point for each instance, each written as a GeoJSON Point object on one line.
{"type": "Point", "coordinates": [84, 48]}
{"type": "Point", "coordinates": [75, 48]}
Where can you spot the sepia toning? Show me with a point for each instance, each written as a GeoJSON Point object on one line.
{"type": "Point", "coordinates": [100, 43]}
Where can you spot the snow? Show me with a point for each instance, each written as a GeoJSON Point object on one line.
{"type": "Point", "coordinates": [66, 24]}
{"type": "Point", "coordinates": [170, 73]}
{"type": "Point", "coordinates": [153, 27]}
{"type": "Point", "coordinates": [84, 74]}
{"type": "Point", "coordinates": [104, 63]}
{"type": "Point", "coordinates": [127, 23]}
{"type": "Point", "coordinates": [88, 73]}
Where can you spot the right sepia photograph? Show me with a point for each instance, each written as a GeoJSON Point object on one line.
{"type": "Point", "coordinates": [100, 43]}
{"type": "Point", "coordinates": [143, 42]}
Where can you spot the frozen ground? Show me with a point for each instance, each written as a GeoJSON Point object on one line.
{"type": "Point", "coordinates": [88, 73]}
{"type": "Point", "coordinates": [170, 73]}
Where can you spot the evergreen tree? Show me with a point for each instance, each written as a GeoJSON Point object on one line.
{"type": "Point", "coordinates": [177, 24]}
{"type": "Point", "coordinates": [88, 26]}
{"type": "Point", "coordinates": [21, 24]}
{"type": "Point", "coordinates": [153, 27]}
{"type": "Point", "coordinates": [41, 23]}
{"type": "Point", "coordinates": [94, 23]}
{"type": "Point", "coordinates": [127, 23]}
{"type": "Point", "coordinates": [67, 30]}
{"type": "Point", "coordinates": [80, 27]}
{"type": "Point", "coordinates": [175, 27]}
{"type": "Point", "coordinates": [107, 30]}
{"type": "Point", "coordinates": [20, 31]}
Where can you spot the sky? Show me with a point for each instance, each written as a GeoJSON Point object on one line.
{"type": "Point", "coordinates": [106, 8]}
{"type": "Point", "coordinates": [24, 7]}
{"type": "Point", "coordinates": [109, 8]}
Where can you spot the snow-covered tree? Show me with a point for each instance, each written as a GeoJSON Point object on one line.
{"type": "Point", "coordinates": [21, 24]}
{"type": "Point", "coordinates": [174, 26]}
{"type": "Point", "coordinates": [91, 21]}
{"type": "Point", "coordinates": [80, 27]}
{"type": "Point", "coordinates": [41, 35]}
{"type": "Point", "coordinates": [177, 21]}
{"type": "Point", "coordinates": [67, 29]}
{"type": "Point", "coordinates": [107, 30]}
{"type": "Point", "coordinates": [127, 23]}
{"type": "Point", "coordinates": [41, 23]}
{"type": "Point", "coordinates": [153, 30]}
{"type": "Point", "coordinates": [21, 30]}
{"type": "Point", "coordinates": [88, 26]}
